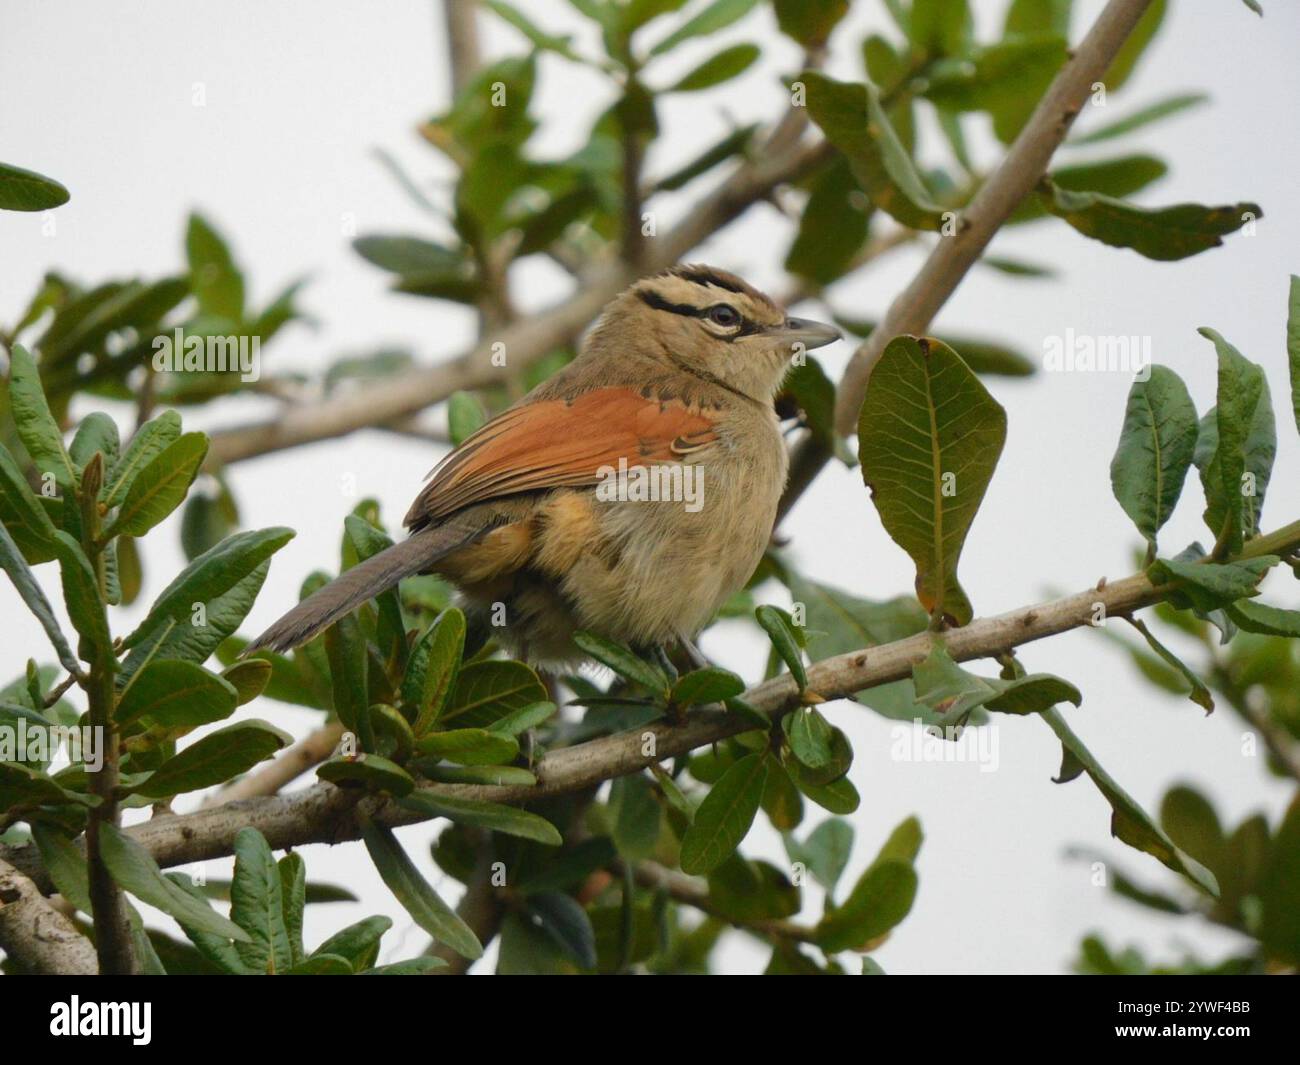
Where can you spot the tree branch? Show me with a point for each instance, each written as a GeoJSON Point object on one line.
{"type": "Point", "coordinates": [36, 935]}
{"type": "Point", "coordinates": [461, 20]}
{"type": "Point", "coordinates": [310, 751]}
{"type": "Point", "coordinates": [328, 814]}
{"type": "Point", "coordinates": [1015, 178]}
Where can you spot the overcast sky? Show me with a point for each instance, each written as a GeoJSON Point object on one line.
{"type": "Point", "coordinates": [298, 95]}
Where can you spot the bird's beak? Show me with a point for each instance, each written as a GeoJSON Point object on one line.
{"type": "Point", "coordinates": [806, 332]}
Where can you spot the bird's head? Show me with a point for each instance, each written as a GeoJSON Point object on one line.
{"type": "Point", "coordinates": [709, 322]}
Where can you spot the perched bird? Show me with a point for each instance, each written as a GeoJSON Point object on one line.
{"type": "Point", "coordinates": [676, 379]}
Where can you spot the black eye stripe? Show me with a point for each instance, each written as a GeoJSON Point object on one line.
{"type": "Point", "coordinates": [659, 303]}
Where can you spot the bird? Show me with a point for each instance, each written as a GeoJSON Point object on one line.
{"type": "Point", "coordinates": [674, 383]}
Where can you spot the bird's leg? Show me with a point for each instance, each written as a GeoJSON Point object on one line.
{"type": "Point", "coordinates": [698, 661]}
{"type": "Point", "coordinates": [659, 655]}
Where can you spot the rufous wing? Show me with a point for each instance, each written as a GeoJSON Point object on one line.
{"type": "Point", "coordinates": [560, 443]}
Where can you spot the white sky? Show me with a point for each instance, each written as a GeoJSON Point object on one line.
{"type": "Point", "coordinates": [299, 93]}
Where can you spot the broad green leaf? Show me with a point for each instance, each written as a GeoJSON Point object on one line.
{"type": "Point", "coordinates": [249, 678]}
{"type": "Point", "coordinates": [839, 797]}
{"type": "Point", "coordinates": [26, 190]}
{"type": "Point", "coordinates": [1155, 450]}
{"type": "Point", "coordinates": [97, 432]}
{"type": "Point", "coordinates": [175, 693]}
{"type": "Point", "coordinates": [1280, 921]}
{"type": "Point", "coordinates": [623, 662]}
{"type": "Point", "coordinates": [1171, 105]}
{"type": "Point", "coordinates": [407, 255]}
{"type": "Point", "coordinates": [809, 734]}
{"type": "Point", "coordinates": [257, 905]}
{"type": "Point", "coordinates": [470, 746]}
{"type": "Point", "coordinates": [214, 759]}
{"type": "Point", "coordinates": [20, 785]}
{"type": "Point", "coordinates": [929, 437]}
{"type": "Point", "coordinates": [160, 486]}
{"type": "Point", "coordinates": [751, 891]}
{"type": "Point", "coordinates": [825, 853]}
{"type": "Point", "coordinates": [292, 871]}
{"type": "Point", "coordinates": [24, 517]}
{"type": "Point", "coordinates": [517, 722]}
{"type": "Point", "coordinates": [149, 441]}
{"type": "Point", "coordinates": [368, 770]}
{"type": "Point", "coordinates": [563, 919]}
{"type": "Point", "coordinates": [214, 278]}
{"type": "Point", "coordinates": [1264, 619]}
{"type": "Point", "coordinates": [414, 892]}
{"type": "Point", "coordinates": [494, 816]}
{"type": "Point", "coordinates": [1134, 45]}
{"type": "Point", "coordinates": [809, 22]}
{"type": "Point", "coordinates": [135, 871]}
{"type": "Point", "coordinates": [948, 689]}
{"type": "Point", "coordinates": [776, 623]}
{"type": "Point", "coordinates": [1161, 233]}
{"type": "Point", "coordinates": [216, 948]}
{"type": "Point", "coordinates": [82, 595]}
{"type": "Point", "coordinates": [782, 801]}
{"type": "Point", "coordinates": [36, 426]}
{"type": "Point", "coordinates": [710, 685]}
{"type": "Point", "coordinates": [1293, 344]}
{"type": "Point", "coordinates": [1241, 390]}
{"type": "Point", "coordinates": [195, 638]}
{"type": "Point", "coordinates": [484, 692]}
{"type": "Point", "coordinates": [1210, 585]}
{"type": "Point", "coordinates": [725, 815]}
{"type": "Point", "coordinates": [880, 899]}
{"type": "Point", "coordinates": [433, 667]}
{"type": "Point", "coordinates": [358, 943]}
{"type": "Point", "coordinates": [410, 967]}
{"type": "Point", "coordinates": [1118, 178]}
{"type": "Point", "coordinates": [725, 65]}
{"type": "Point", "coordinates": [854, 121]}
{"type": "Point", "coordinates": [479, 774]}
{"type": "Point", "coordinates": [393, 736]}
{"type": "Point", "coordinates": [940, 27]}
{"type": "Point", "coordinates": [210, 575]}
{"type": "Point", "coordinates": [638, 817]}
{"type": "Point", "coordinates": [346, 648]}
{"type": "Point", "coordinates": [1038, 16]}
{"type": "Point", "coordinates": [717, 15]}
{"type": "Point", "coordinates": [1129, 822]}
{"type": "Point", "coordinates": [29, 589]}
{"type": "Point", "coordinates": [65, 863]}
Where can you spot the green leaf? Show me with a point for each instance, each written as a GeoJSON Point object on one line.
{"type": "Point", "coordinates": [346, 649]}
{"type": "Point", "coordinates": [293, 890]}
{"type": "Point", "coordinates": [1199, 693]}
{"type": "Point", "coordinates": [809, 22]}
{"type": "Point", "coordinates": [257, 905]}
{"type": "Point", "coordinates": [358, 943]}
{"type": "Point", "coordinates": [24, 580]}
{"type": "Point", "coordinates": [725, 815]}
{"type": "Point", "coordinates": [176, 693]}
{"type": "Point", "coordinates": [1280, 921]}
{"type": "Point", "coordinates": [948, 689]}
{"type": "Point", "coordinates": [1264, 619]}
{"type": "Point", "coordinates": [26, 190]}
{"type": "Point", "coordinates": [22, 786]}
{"type": "Point", "coordinates": [543, 40]}
{"type": "Point", "coordinates": [494, 816]}
{"type": "Point", "coordinates": [838, 797]}
{"type": "Point", "coordinates": [410, 967]}
{"type": "Point", "coordinates": [22, 514]}
{"type": "Point", "coordinates": [1171, 105]}
{"type": "Point", "coordinates": [517, 722]}
{"type": "Point", "coordinates": [880, 899]}
{"type": "Point", "coordinates": [854, 121]}
{"type": "Point", "coordinates": [940, 27]}
{"type": "Point", "coordinates": [1155, 450]}
{"type": "Point", "coordinates": [562, 918]}
{"type": "Point", "coordinates": [1210, 585]}
{"type": "Point", "coordinates": [1161, 233]}
{"type": "Point", "coordinates": [484, 692]}
{"type": "Point", "coordinates": [82, 595]}
{"type": "Point", "coordinates": [249, 678]}
{"type": "Point", "coordinates": [36, 426]}
{"type": "Point", "coordinates": [368, 770]}
{"type": "Point", "coordinates": [1118, 178]}
{"type": "Point", "coordinates": [1293, 344]}
{"type": "Point", "coordinates": [929, 438]}
{"type": "Point", "coordinates": [638, 817]}
{"type": "Point", "coordinates": [1227, 454]}
{"type": "Point", "coordinates": [160, 487]}
{"type": "Point", "coordinates": [97, 432]}
{"type": "Point", "coordinates": [623, 662]}
{"type": "Point", "coordinates": [809, 734]}
{"type": "Point", "coordinates": [781, 632]}
{"type": "Point", "coordinates": [215, 280]}
{"type": "Point", "coordinates": [149, 441]}
{"type": "Point", "coordinates": [135, 871]}
{"type": "Point", "coordinates": [825, 853]}
{"type": "Point", "coordinates": [832, 227]}
{"type": "Point", "coordinates": [716, 16]}
{"type": "Point", "coordinates": [725, 65]}
{"type": "Point", "coordinates": [210, 575]}
{"type": "Point", "coordinates": [1129, 822]}
{"type": "Point", "coordinates": [1134, 45]}
{"type": "Point", "coordinates": [414, 892]}
{"type": "Point", "coordinates": [433, 667]}
{"type": "Point", "coordinates": [751, 891]}
{"type": "Point", "coordinates": [709, 685]}
{"type": "Point", "coordinates": [465, 414]}
{"type": "Point", "coordinates": [65, 863]}
{"type": "Point", "coordinates": [470, 746]}
{"type": "Point", "coordinates": [217, 758]}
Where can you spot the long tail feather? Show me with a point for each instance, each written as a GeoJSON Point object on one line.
{"type": "Point", "coordinates": [365, 581]}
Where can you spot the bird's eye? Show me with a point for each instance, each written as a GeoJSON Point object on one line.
{"type": "Point", "coordinates": [725, 316]}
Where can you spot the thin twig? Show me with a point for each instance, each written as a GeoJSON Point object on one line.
{"type": "Point", "coordinates": [36, 935]}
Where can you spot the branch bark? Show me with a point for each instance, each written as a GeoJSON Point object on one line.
{"type": "Point", "coordinates": [328, 814]}
{"type": "Point", "coordinates": [36, 935]}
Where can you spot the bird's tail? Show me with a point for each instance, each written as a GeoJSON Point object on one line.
{"type": "Point", "coordinates": [365, 581]}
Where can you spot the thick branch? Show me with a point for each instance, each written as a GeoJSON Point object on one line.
{"type": "Point", "coordinates": [461, 20]}
{"type": "Point", "coordinates": [328, 814]}
{"type": "Point", "coordinates": [36, 935]}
